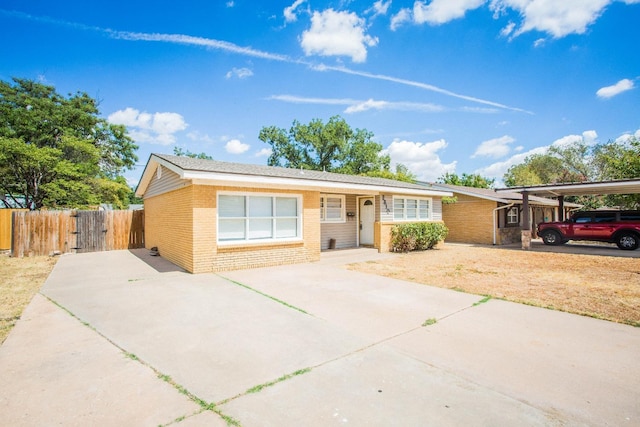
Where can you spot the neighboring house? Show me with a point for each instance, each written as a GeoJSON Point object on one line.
{"type": "Point", "coordinates": [480, 215]}
{"type": "Point", "coordinates": [207, 215]}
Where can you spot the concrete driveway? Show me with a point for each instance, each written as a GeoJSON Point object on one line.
{"type": "Point", "coordinates": [121, 338]}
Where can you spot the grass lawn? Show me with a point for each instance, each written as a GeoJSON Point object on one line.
{"type": "Point", "coordinates": [603, 287]}
{"type": "Point", "coordinates": [21, 279]}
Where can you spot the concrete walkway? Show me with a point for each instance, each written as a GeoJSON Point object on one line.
{"type": "Point", "coordinates": [121, 338]}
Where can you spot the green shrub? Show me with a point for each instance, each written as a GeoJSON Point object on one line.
{"type": "Point", "coordinates": [417, 236]}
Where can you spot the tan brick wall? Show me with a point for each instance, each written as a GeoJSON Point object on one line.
{"type": "Point", "coordinates": [257, 255]}
{"type": "Point", "coordinates": [469, 220]}
{"type": "Point", "coordinates": [169, 226]}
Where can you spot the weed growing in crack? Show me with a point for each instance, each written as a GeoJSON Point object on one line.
{"type": "Point", "coordinates": [430, 321]}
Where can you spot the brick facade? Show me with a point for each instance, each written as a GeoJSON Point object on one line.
{"type": "Point", "coordinates": [183, 225]}
{"type": "Point", "coordinates": [469, 220]}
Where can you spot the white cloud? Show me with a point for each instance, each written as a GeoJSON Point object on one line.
{"type": "Point", "coordinates": [506, 31]}
{"type": "Point", "coordinates": [498, 169]}
{"type": "Point", "coordinates": [241, 73]}
{"type": "Point", "coordinates": [589, 137]}
{"type": "Point", "coordinates": [197, 136]}
{"type": "Point", "coordinates": [624, 138]}
{"type": "Point", "coordinates": [421, 158]}
{"type": "Point", "coordinates": [290, 11]}
{"type": "Point", "coordinates": [379, 8]}
{"type": "Point", "coordinates": [441, 11]}
{"type": "Point", "coordinates": [616, 89]}
{"type": "Point", "coordinates": [358, 106]}
{"type": "Point", "coordinates": [337, 34]}
{"type": "Point", "coordinates": [539, 42]}
{"type": "Point", "coordinates": [496, 148]}
{"type": "Point", "coordinates": [236, 147]}
{"type": "Point", "coordinates": [156, 128]}
{"type": "Point", "coordinates": [265, 152]}
{"type": "Point", "coordinates": [230, 4]}
{"type": "Point", "coordinates": [404, 15]}
{"type": "Point", "coordinates": [557, 18]}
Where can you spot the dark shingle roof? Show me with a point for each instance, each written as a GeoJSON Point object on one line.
{"type": "Point", "coordinates": [215, 166]}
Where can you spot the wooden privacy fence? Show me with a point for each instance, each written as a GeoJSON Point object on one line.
{"type": "Point", "coordinates": [5, 227]}
{"type": "Point", "coordinates": [45, 232]}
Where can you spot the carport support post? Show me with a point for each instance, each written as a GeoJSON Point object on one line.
{"type": "Point", "coordinates": [561, 208]}
{"type": "Point", "coordinates": [526, 222]}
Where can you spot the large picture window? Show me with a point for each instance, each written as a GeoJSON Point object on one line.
{"type": "Point", "coordinates": [411, 209]}
{"type": "Point", "coordinates": [332, 208]}
{"type": "Point", "coordinates": [258, 218]}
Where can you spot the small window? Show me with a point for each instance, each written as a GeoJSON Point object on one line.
{"type": "Point", "coordinates": [513, 216]}
{"type": "Point", "coordinates": [332, 208]}
{"type": "Point", "coordinates": [411, 209]}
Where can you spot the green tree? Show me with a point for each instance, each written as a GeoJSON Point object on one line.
{"type": "Point", "coordinates": [467, 180]}
{"type": "Point", "coordinates": [177, 151]}
{"type": "Point", "coordinates": [333, 147]}
{"type": "Point", "coordinates": [619, 160]}
{"type": "Point", "coordinates": [56, 151]}
{"type": "Point", "coordinates": [558, 165]}
{"type": "Point", "coordinates": [402, 173]}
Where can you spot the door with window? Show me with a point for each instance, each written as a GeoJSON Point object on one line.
{"type": "Point", "coordinates": [367, 219]}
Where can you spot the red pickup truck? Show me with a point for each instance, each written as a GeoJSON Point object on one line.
{"type": "Point", "coordinates": [619, 227]}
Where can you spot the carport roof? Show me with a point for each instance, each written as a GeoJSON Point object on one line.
{"type": "Point", "coordinates": [622, 186]}
{"type": "Point", "coordinates": [490, 194]}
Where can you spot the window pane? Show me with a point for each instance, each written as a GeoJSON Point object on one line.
{"type": "Point", "coordinates": [334, 208]}
{"type": "Point", "coordinates": [286, 206]}
{"type": "Point", "coordinates": [424, 209]}
{"type": "Point", "coordinates": [260, 228]}
{"type": "Point", "coordinates": [260, 206]}
{"type": "Point", "coordinates": [412, 208]}
{"type": "Point", "coordinates": [231, 229]}
{"type": "Point", "coordinates": [286, 227]}
{"type": "Point", "coordinates": [231, 206]}
{"type": "Point", "coordinates": [398, 208]}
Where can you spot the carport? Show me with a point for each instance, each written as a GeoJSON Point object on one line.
{"type": "Point", "coordinates": [560, 191]}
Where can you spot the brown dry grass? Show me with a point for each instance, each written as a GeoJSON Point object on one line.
{"type": "Point", "coordinates": [20, 279]}
{"type": "Point", "coordinates": [597, 286]}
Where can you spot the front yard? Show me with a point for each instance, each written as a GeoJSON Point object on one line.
{"type": "Point", "coordinates": [20, 279]}
{"type": "Point", "coordinates": [597, 286]}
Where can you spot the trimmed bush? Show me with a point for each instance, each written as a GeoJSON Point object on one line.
{"type": "Point", "coordinates": [417, 236]}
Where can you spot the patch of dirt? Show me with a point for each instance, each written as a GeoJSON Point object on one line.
{"type": "Point", "coordinates": [597, 286]}
{"type": "Point", "coordinates": [20, 279]}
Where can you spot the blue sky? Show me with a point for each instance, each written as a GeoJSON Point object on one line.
{"type": "Point", "coordinates": [464, 86]}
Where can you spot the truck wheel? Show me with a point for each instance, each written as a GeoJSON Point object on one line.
{"type": "Point", "coordinates": [552, 237]}
{"type": "Point", "coordinates": [628, 241]}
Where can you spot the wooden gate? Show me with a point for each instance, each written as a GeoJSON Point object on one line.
{"type": "Point", "coordinates": [45, 232]}
{"type": "Point", "coordinates": [90, 231]}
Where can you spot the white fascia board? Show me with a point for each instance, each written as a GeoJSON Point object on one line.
{"type": "Point", "coordinates": [213, 178]}
{"type": "Point", "coordinates": [150, 170]}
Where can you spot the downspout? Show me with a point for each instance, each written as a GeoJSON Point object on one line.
{"type": "Point", "coordinates": [495, 219]}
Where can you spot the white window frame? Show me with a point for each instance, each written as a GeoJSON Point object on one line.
{"type": "Point", "coordinates": [324, 207]}
{"type": "Point", "coordinates": [246, 218]}
{"type": "Point", "coordinates": [418, 216]}
{"type": "Point", "coordinates": [511, 216]}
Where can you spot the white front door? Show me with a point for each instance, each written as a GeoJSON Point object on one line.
{"type": "Point", "coordinates": [367, 218]}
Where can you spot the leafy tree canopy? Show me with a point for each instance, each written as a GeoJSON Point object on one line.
{"type": "Point", "coordinates": [581, 162]}
{"type": "Point", "coordinates": [333, 146]}
{"type": "Point", "coordinates": [467, 180]}
{"type": "Point", "coordinates": [56, 151]}
{"type": "Point", "coordinates": [178, 151]}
